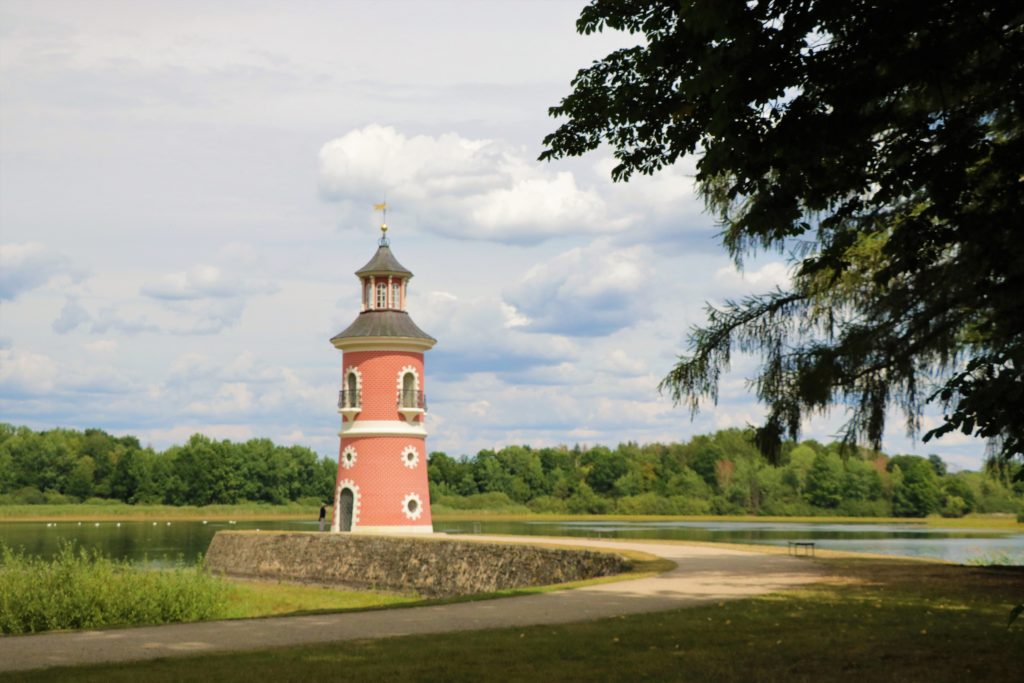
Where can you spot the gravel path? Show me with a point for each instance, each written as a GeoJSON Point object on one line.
{"type": "Point", "coordinates": [704, 574]}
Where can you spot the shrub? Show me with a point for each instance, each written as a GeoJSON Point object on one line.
{"type": "Point", "coordinates": [864, 508]}
{"type": "Point", "coordinates": [82, 589]}
{"type": "Point", "coordinates": [495, 500]}
{"type": "Point", "coordinates": [28, 495]}
{"type": "Point", "coordinates": [548, 504]}
{"type": "Point", "coordinates": [954, 506]}
{"type": "Point", "coordinates": [687, 505]}
{"type": "Point", "coordinates": [645, 504]}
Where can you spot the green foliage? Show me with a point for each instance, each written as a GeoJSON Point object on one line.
{"type": "Point", "coordinates": [882, 146]}
{"type": "Point", "coordinates": [82, 589]}
{"type": "Point", "coordinates": [720, 473]}
{"type": "Point", "coordinates": [63, 466]}
{"type": "Point", "coordinates": [494, 500]}
{"type": "Point", "coordinates": [917, 494]}
{"type": "Point", "coordinates": [825, 481]}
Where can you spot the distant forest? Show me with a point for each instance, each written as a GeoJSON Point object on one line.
{"type": "Point", "coordinates": [722, 473]}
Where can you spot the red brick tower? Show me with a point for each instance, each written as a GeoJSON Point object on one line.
{"type": "Point", "coordinates": [382, 462]}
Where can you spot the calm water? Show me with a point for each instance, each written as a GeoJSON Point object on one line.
{"type": "Point", "coordinates": [163, 543]}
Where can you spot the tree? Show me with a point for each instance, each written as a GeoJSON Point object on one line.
{"type": "Point", "coordinates": [882, 145]}
{"type": "Point", "coordinates": [825, 481]}
{"type": "Point", "coordinates": [916, 493]}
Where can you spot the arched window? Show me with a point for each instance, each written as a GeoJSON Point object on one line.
{"type": "Point", "coordinates": [382, 295]}
{"type": "Point", "coordinates": [396, 295]}
{"type": "Point", "coordinates": [409, 390]}
{"type": "Point", "coordinates": [352, 387]}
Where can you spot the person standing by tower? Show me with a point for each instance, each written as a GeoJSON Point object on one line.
{"type": "Point", "coordinates": [323, 515]}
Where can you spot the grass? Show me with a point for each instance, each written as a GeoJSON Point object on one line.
{"type": "Point", "coordinates": [874, 621]}
{"type": "Point", "coordinates": [995, 521]}
{"type": "Point", "coordinates": [79, 589]}
{"type": "Point", "coordinates": [116, 511]}
{"type": "Point", "coordinates": [247, 599]}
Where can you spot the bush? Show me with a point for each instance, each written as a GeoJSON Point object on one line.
{"type": "Point", "coordinates": [864, 508]}
{"type": "Point", "coordinates": [103, 501]}
{"type": "Point", "coordinates": [548, 504]}
{"type": "Point", "coordinates": [687, 505]}
{"type": "Point", "coordinates": [82, 589]}
{"type": "Point", "coordinates": [782, 508]}
{"type": "Point", "coordinates": [28, 495]}
{"type": "Point", "coordinates": [495, 500]}
{"type": "Point", "coordinates": [57, 498]}
{"type": "Point", "coordinates": [644, 504]}
{"type": "Point", "coordinates": [954, 506]}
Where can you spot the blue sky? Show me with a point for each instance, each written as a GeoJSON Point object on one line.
{"type": "Point", "coordinates": [186, 189]}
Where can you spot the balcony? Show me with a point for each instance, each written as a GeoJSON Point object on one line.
{"type": "Point", "coordinates": [349, 404]}
{"type": "Point", "coordinates": [411, 404]}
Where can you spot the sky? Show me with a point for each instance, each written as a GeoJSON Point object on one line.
{"type": "Point", "coordinates": [187, 188]}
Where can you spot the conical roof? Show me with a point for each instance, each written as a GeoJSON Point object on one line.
{"type": "Point", "coordinates": [383, 323]}
{"type": "Point", "coordinates": [384, 263]}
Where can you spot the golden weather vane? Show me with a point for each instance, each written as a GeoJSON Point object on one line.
{"type": "Point", "coordinates": [383, 208]}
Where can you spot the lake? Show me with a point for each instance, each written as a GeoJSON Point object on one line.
{"type": "Point", "coordinates": [162, 543]}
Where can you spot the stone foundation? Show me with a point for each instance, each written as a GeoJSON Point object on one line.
{"type": "Point", "coordinates": [432, 567]}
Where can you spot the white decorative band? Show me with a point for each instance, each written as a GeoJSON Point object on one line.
{"type": "Point", "coordinates": [382, 428]}
{"type": "Point", "coordinates": [383, 344]}
{"type": "Point", "coordinates": [397, 529]}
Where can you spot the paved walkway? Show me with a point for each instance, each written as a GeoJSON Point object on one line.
{"type": "Point", "coordinates": [704, 574]}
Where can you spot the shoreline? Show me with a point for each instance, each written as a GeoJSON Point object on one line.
{"type": "Point", "coordinates": [123, 512]}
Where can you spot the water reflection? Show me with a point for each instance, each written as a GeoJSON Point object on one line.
{"type": "Point", "coordinates": [157, 543]}
{"type": "Point", "coordinates": [162, 543]}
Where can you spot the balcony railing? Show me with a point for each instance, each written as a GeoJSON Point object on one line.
{"type": "Point", "coordinates": [412, 400]}
{"type": "Point", "coordinates": [349, 399]}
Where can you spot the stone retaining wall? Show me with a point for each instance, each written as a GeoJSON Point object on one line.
{"type": "Point", "coordinates": [433, 567]}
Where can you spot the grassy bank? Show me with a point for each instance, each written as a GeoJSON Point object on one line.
{"type": "Point", "coordinates": [875, 620]}
{"type": "Point", "coordinates": [256, 511]}
{"type": "Point", "coordinates": [116, 511]}
{"type": "Point", "coordinates": [996, 521]}
{"type": "Point", "coordinates": [80, 589]}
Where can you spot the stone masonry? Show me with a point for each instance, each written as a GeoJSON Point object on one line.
{"type": "Point", "coordinates": [432, 567]}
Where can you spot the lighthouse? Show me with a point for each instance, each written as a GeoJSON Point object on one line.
{"type": "Point", "coordinates": [382, 484]}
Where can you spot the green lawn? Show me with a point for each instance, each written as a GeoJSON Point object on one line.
{"type": "Point", "coordinates": [115, 511]}
{"type": "Point", "coordinates": [876, 620]}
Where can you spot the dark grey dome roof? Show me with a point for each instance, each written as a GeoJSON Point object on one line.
{"type": "Point", "coordinates": [384, 263]}
{"type": "Point", "coordinates": [387, 323]}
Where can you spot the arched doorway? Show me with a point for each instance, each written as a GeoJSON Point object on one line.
{"type": "Point", "coordinates": [345, 503]}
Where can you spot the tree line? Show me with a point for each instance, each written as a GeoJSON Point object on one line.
{"type": "Point", "coordinates": [69, 466]}
{"type": "Point", "coordinates": [720, 473]}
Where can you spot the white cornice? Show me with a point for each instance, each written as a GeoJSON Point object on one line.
{"type": "Point", "coordinates": [383, 344]}
{"type": "Point", "coordinates": [383, 428]}
{"type": "Point", "coordinates": [397, 529]}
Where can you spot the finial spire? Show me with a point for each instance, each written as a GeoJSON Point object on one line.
{"type": "Point", "coordinates": [383, 208]}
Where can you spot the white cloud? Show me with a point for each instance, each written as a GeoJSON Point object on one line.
{"type": "Point", "coordinates": [732, 282]}
{"type": "Point", "coordinates": [460, 187]}
{"type": "Point", "coordinates": [24, 373]}
{"type": "Point", "coordinates": [474, 334]}
{"type": "Point", "coordinates": [586, 291]}
{"type": "Point", "coordinates": [204, 282]}
{"type": "Point", "coordinates": [71, 316]}
{"type": "Point", "coordinates": [24, 267]}
{"type": "Point", "coordinates": [102, 346]}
